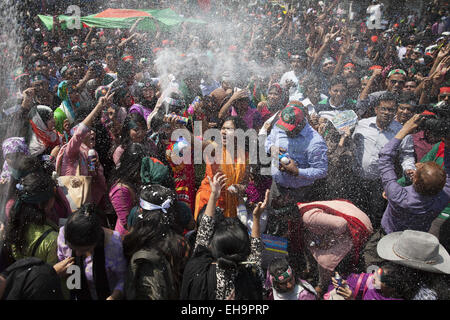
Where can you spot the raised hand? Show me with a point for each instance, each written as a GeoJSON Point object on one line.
{"type": "Point", "coordinates": [107, 99]}
{"type": "Point", "coordinates": [217, 183]}
{"type": "Point", "coordinates": [444, 51]}
{"type": "Point", "coordinates": [261, 206]}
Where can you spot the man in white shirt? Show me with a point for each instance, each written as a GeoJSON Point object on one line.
{"type": "Point", "coordinates": [370, 136]}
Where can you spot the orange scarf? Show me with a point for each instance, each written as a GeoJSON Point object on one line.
{"type": "Point", "coordinates": [234, 170]}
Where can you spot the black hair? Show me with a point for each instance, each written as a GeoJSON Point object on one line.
{"type": "Point", "coordinates": [129, 170]}
{"type": "Point", "coordinates": [278, 266]}
{"type": "Point", "coordinates": [230, 246]}
{"type": "Point", "coordinates": [147, 232]}
{"type": "Point", "coordinates": [156, 223]}
{"type": "Point", "coordinates": [157, 121]}
{"type": "Point", "coordinates": [239, 123]}
{"type": "Point", "coordinates": [113, 51]}
{"type": "Point", "coordinates": [218, 216]}
{"type": "Point", "coordinates": [151, 230]}
{"type": "Point", "coordinates": [311, 79]}
{"type": "Point", "coordinates": [386, 96]}
{"type": "Point", "coordinates": [338, 80]}
{"type": "Point", "coordinates": [83, 227]}
{"type": "Point", "coordinates": [43, 113]}
{"type": "Point", "coordinates": [125, 69]}
{"type": "Point", "coordinates": [25, 214]}
{"type": "Point", "coordinates": [144, 85]}
{"type": "Point", "coordinates": [137, 118]}
{"type": "Point", "coordinates": [406, 282]}
{"type": "Point", "coordinates": [157, 194]}
{"type": "Point", "coordinates": [81, 114]}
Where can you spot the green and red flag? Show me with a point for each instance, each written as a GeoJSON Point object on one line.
{"type": "Point", "coordinates": [125, 18]}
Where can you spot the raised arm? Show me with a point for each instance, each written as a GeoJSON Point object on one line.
{"type": "Point", "coordinates": [102, 103]}
{"type": "Point", "coordinates": [206, 225]}
{"type": "Point", "coordinates": [226, 107]}
{"type": "Point", "coordinates": [394, 191]}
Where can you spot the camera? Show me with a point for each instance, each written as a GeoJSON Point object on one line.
{"type": "Point", "coordinates": [439, 122]}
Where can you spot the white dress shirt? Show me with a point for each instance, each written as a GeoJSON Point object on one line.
{"type": "Point", "coordinates": [369, 140]}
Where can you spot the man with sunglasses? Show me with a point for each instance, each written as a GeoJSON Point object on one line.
{"type": "Point", "coordinates": [395, 81]}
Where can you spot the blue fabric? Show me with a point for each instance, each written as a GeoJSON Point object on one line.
{"type": "Point", "coordinates": [307, 149]}
{"type": "Point", "coordinates": [63, 94]}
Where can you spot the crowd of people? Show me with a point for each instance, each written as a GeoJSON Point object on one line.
{"type": "Point", "coordinates": [352, 108]}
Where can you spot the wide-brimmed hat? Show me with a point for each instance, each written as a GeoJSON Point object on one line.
{"type": "Point", "coordinates": [415, 249]}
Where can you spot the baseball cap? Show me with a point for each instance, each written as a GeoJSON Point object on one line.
{"type": "Point", "coordinates": [290, 118]}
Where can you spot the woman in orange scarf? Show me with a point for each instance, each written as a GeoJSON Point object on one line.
{"type": "Point", "coordinates": [234, 166]}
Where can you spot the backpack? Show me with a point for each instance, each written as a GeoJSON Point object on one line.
{"type": "Point", "coordinates": [150, 277]}
{"type": "Point", "coordinates": [31, 279]}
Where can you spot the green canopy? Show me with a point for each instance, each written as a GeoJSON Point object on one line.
{"type": "Point", "coordinates": [125, 18]}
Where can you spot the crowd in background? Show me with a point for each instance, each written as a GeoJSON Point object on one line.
{"type": "Point", "coordinates": [352, 107]}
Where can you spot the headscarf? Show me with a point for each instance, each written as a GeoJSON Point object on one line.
{"type": "Point", "coordinates": [284, 98]}
{"type": "Point", "coordinates": [12, 145]}
{"type": "Point", "coordinates": [358, 223]}
{"type": "Point", "coordinates": [66, 108]}
{"type": "Point", "coordinates": [44, 137]}
{"type": "Point", "coordinates": [154, 171]}
{"type": "Point", "coordinates": [137, 108]}
{"type": "Point", "coordinates": [267, 112]}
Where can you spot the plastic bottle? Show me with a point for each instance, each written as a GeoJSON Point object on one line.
{"type": "Point", "coordinates": [284, 158]}
{"type": "Point", "coordinates": [180, 119]}
{"type": "Point", "coordinates": [338, 279]}
{"type": "Point", "coordinates": [91, 156]}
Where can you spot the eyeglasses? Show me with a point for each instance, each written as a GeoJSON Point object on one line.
{"type": "Point", "coordinates": [397, 81]}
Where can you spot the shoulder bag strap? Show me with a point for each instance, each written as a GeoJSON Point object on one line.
{"type": "Point", "coordinates": [366, 286]}
{"type": "Point", "coordinates": [358, 285]}
{"type": "Point", "coordinates": [39, 241]}
{"type": "Point", "coordinates": [58, 165]}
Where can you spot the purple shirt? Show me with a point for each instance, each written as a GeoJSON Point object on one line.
{"type": "Point", "coordinates": [115, 263]}
{"type": "Point", "coordinates": [406, 208]}
{"type": "Point", "coordinates": [252, 117]}
{"type": "Point", "coordinates": [366, 290]}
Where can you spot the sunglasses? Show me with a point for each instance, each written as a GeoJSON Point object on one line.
{"type": "Point", "coordinates": [397, 81]}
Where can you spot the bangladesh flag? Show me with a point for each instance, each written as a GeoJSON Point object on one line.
{"type": "Point", "coordinates": [124, 18]}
